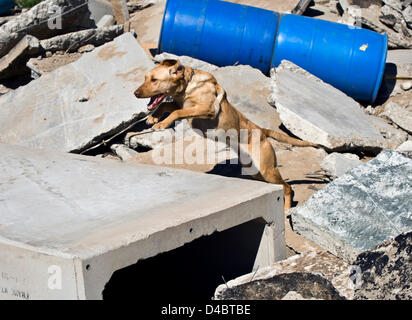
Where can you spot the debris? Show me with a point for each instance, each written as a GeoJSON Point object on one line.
{"type": "Point", "coordinates": [406, 85]}
{"type": "Point", "coordinates": [47, 113]}
{"type": "Point", "coordinates": [106, 21]}
{"type": "Point", "coordinates": [406, 149]}
{"type": "Point", "coordinates": [399, 115]}
{"type": "Point", "coordinates": [301, 7]}
{"type": "Point", "coordinates": [317, 112]}
{"type": "Point", "coordinates": [308, 285]}
{"type": "Point", "coordinates": [4, 90]}
{"type": "Point", "coordinates": [136, 5]}
{"type": "Point", "coordinates": [51, 63]}
{"type": "Point", "coordinates": [386, 270]}
{"type": "Point", "coordinates": [120, 11]}
{"type": "Point", "coordinates": [14, 62]}
{"type": "Point", "coordinates": [123, 152]}
{"type": "Point", "coordinates": [337, 164]}
{"type": "Point", "coordinates": [40, 22]}
{"type": "Point", "coordinates": [274, 5]}
{"type": "Point", "coordinates": [322, 263]}
{"type": "Point", "coordinates": [70, 42]}
{"type": "Point", "coordinates": [369, 204]}
{"type": "Point", "coordinates": [98, 9]}
{"type": "Point", "coordinates": [63, 208]}
{"type": "Point", "coordinates": [86, 48]}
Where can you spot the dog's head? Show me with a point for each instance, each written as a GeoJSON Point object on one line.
{"type": "Point", "coordinates": [166, 79]}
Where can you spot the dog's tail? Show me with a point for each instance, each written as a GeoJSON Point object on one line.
{"type": "Point", "coordinates": [281, 137]}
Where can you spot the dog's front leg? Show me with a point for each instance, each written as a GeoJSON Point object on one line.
{"type": "Point", "coordinates": [163, 108]}
{"type": "Point", "coordinates": [196, 112]}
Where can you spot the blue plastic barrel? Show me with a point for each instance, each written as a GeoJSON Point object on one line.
{"type": "Point", "coordinates": [223, 33]}
{"type": "Point", "coordinates": [6, 5]}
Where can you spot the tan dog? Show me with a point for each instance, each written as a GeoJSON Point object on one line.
{"type": "Point", "coordinates": [197, 96]}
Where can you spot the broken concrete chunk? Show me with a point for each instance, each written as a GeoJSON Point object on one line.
{"type": "Point", "coordinates": [406, 148]}
{"type": "Point", "coordinates": [4, 90]}
{"type": "Point", "coordinates": [406, 85]}
{"type": "Point", "coordinates": [98, 9]}
{"type": "Point", "coordinates": [72, 41]}
{"type": "Point", "coordinates": [407, 14]}
{"type": "Point", "coordinates": [386, 271]}
{"type": "Point", "coordinates": [308, 285]}
{"type": "Point", "coordinates": [317, 112]}
{"type": "Point", "coordinates": [106, 21]}
{"type": "Point", "coordinates": [14, 62]}
{"type": "Point", "coordinates": [123, 152]}
{"type": "Point", "coordinates": [399, 115]}
{"type": "Point", "coordinates": [247, 89]}
{"type": "Point", "coordinates": [323, 263]}
{"type": "Point", "coordinates": [393, 136]}
{"type": "Point", "coordinates": [120, 11]}
{"type": "Point", "coordinates": [51, 63]}
{"type": "Point", "coordinates": [74, 15]}
{"type": "Point", "coordinates": [357, 211]}
{"type": "Point", "coordinates": [337, 164]}
{"type": "Point", "coordinates": [78, 105]}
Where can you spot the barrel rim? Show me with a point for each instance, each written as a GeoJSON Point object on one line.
{"type": "Point", "coordinates": [381, 70]}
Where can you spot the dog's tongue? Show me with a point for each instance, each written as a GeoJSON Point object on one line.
{"type": "Point", "coordinates": [155, 101]}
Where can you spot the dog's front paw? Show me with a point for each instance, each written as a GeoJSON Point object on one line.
{"type": "Point", "coordinates": [161, 126]}
{"type": "Point", "coordinates": [152, 120]}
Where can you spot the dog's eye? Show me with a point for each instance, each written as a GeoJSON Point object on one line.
{"type": "Point", "coordinates": [154, 80]}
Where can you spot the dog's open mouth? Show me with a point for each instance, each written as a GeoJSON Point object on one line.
{"type": "Point", "coordinates": [155, 101]}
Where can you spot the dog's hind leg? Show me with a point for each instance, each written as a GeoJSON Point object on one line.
{"type": "Point", "coordinates": [270, 173]}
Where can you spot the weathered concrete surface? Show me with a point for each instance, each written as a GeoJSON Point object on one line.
{"type": "Point", "coordinates": [55, 112]}
{"type": "Point", "coordinates": [72, 41]}
{"type": "Point", "coordinates": [247, 89]}
{"type": "Point", "coordinates": [317, 262]}
{"type": "Point", "coordinates": [93, 216]}
{"type": "Point", "coordinates": [14, 62]}
{"type": "Point", "coordinates": [406, 148]}
{"type": "Point", "coordinates": [123, 152]}
{"type": "Point", "coordinates": [399, 115]}
{"type": "Point", "coordinates": [106, 21]}
{"type": "Point", "coordinates": [337, 164]}
{"type": "Point", "coordinates": [99, 8]}
{"type": "Point", "coordinates": [40, 66]}
{"type": "Point", "coordinates": [369, 204]}
{"type": "Point", "coordinates": [75, 16]}
{"type": "Point", "coordinates": [308, 285]}
{"type": "Point", "coordinates": [317, 112]}
{"type": "Point", "coordinates": [386, 270]}
{"type": "Point", "coordinates": [120, 11]}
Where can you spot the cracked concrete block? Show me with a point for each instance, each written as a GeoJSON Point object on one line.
{"type": "Point", "coordinates": [357, 211]}
{"type": "Point", "coordinates": [120, 11]}
{"type": "Point", "coordinates": [123, 152]}
{"type": "Point", "coordinates": [399, 115]}
{"type": "Point", "coordinates": [89, 217]}
{"type": "Point", "coordinates": [14, 62]}
{"type": "Point", "coordinates": [72, 41]}
{"type": "Point", "coordinates": [75, 16]}
{"type": "Point", "coordinates": [77, 106]}
{"type": "Point", "coordinates": [317, 112]}
{"type": "Point", "coordinates": [337, 164]}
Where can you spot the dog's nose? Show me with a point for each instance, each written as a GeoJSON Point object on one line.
{"type": "Point", "coordinates": [137, 93]}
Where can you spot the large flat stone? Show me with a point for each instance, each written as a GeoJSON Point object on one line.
{"type": "Point", "coordinates": [317, 112]}
{"type": "Point", "coordinates": [90, 217]}
{"type": "Point", "coordinates": [78, 105]}
{"type": "Point", "coordinates": [369, 204]}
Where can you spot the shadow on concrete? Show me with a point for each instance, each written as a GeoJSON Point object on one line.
{"type": "Point", "coordinates": [191, 272]}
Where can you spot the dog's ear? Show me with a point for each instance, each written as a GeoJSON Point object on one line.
{"type": "Point", "coordinates": [177, 70]}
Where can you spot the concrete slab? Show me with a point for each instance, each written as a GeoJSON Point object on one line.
{"type": "Point", "coordinates": [337, 164]}
{"type": "Point", "coordinates": [13, 63]}
{"type": "Point", "coordinates": [357, 211]}
{"type": "Point", "coordinates": [317, 112]}
{"type": "Point", "coordinates": [76, 106]}
{"type": "Point", "coordinates": [68, 221]}
{"type": "Point", "coordinates": [399, 115]}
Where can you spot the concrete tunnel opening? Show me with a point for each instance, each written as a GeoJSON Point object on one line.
{"type": "Point", "coordinates": [193, 271]}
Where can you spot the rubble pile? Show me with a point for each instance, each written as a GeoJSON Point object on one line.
{"type": "Point", "coordinates": [68, 72]}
